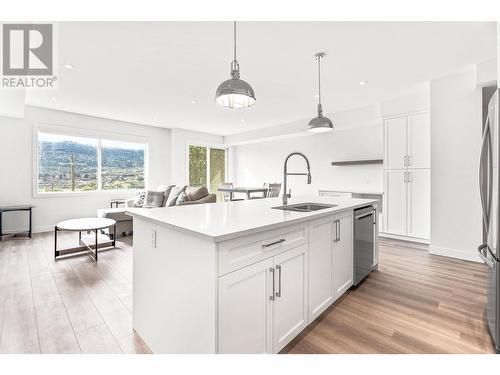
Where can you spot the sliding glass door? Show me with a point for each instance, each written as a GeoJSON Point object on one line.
{"type": "Point", "coordinates": [207, 166]}
{"type": "Point", "coordinates": [217, 168]}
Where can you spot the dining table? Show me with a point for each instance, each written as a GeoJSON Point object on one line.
{"type": "Point", "coordinates": [244, 190]}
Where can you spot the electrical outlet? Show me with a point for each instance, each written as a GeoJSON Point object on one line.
{"type": "Point", "coordinates": [153, 238]}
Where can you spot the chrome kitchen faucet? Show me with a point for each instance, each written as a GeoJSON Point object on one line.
{"type": "Point", "coordinates": [286, 174]}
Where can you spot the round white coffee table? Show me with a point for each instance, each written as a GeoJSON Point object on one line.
{"type": "Point", "coordinates": [89, 224]}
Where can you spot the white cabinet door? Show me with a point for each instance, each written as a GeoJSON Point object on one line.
{"type": "Point", "coordinates": [395, 143]}
{"type": "Point", "coordinates": [290, 305]}
{"type": "Point", "coordinates": [419, 197]}
{"type": "Point", "coordinates": [320, 266]}
{"type": "Point", "coordinates": [419, 141]}
{"type": "Point", "coordinates": [245, 310]}
{"type": "Point", "coordinates": [375, 238]}
{"type": "Point", "coordinates": [395, 202]}
{"type": "Point", "coordinates": [342, 254]}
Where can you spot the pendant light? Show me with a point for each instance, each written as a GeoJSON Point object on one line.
{"type": "Point", "coordinates": [235, 93]}
{"type": "Point", "coordinates": [320, 124]}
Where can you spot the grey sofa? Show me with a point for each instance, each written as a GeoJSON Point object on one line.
{"type": "Point", "coordinates": [124, 226]}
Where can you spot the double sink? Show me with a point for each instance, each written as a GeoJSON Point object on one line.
{"type": "Point", "coordinates": [305, 207]}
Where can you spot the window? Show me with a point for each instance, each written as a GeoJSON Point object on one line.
{"type": "Point", "coordinates": [197, 165]}
{"type": "Point", "coordinates": [207, 166]}
{"type": "Point", "coordinates": [122, 165]}
{"type": "Point", "coordinates": [217, 168]}
{"type": "Point", "coordinates": [77, 164]}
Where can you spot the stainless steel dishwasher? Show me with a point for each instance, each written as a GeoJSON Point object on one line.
{"type": "Point", "coordinates": [364, 228]}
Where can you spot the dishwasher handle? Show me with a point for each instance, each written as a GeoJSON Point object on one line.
{"type": "Point", "coordinates": [363, 215]}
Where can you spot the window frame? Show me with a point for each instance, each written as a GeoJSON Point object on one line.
{"type": "Point", "coordinates": [207, 146]}
{"type": "Point", "coordinates": [93, 134]}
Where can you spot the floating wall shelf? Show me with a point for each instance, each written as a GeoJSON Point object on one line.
{"type": "Point", "coordinates": [358, 162]}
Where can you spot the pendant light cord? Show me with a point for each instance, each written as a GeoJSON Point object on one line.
{"type": "Point", "coordinates": [319, 78]}
{"type": "Point", "coordinates": [235, 67]}
{"type": "Point", "coordinates": [234, 27]}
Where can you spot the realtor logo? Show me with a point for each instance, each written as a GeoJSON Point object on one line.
{"type": "Point", "coordinates": [27, 49]}
{"type": "Point", "coordinates": [28, 56]}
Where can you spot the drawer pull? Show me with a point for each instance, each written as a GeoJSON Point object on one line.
{"type": "Point", "coordinates": [273, 243]}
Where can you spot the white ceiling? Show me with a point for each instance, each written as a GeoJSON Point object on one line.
{"type": "Point", "coordinates": [149, 72]}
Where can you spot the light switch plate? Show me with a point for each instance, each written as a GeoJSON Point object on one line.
{"type": "Point", "coordinates": [153, 238]}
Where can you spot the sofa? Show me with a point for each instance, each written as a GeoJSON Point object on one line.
{"type": "Point", "coordinates": [172, 196]}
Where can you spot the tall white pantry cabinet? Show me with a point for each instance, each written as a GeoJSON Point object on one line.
{"type": "Point", "coordinates": [407, 174]}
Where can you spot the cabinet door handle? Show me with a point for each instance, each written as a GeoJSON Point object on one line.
{"type": "Point", "coordinates": [404, 161]}
{"type": "Point", "coordinates": [278, 293]}
{"type": "Point", "coordinates": [408, 160]}
{"type": "Point", "coordinates": [271, 269]}
{"type": "Point", "coordinates": [274, 243]}
{"type": "Point", "coordinates": [338, 233]}
{"type": "Point", "coordinates": [335, 231]}
{"type": "Point", "coordinates": [409, 177]}
{"type": "Point", "coordinates": [405, 180]}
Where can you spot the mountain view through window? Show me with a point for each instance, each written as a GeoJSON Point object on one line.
{"type": "Point", "coordinates": [71, 164]}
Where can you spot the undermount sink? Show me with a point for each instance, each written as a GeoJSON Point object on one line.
{"type": "Point", "coordinates": [305, 207]}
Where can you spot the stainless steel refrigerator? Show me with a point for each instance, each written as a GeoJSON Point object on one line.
{"type": "Point", "coordinates": [489, 184]}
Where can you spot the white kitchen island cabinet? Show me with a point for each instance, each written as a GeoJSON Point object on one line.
{"type": "Point", "coordinates": [343, 254]}
{"type": "Point", "coordinates": [321, 261]}
{"type": "Point", "coordinates": [330, 260]}
{"type": "Point", "coordinates": [238, 277]}
{"type": "Point", "coordinates": [246, 309]}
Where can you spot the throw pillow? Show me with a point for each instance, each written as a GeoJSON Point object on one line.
{"type": "Point", "coordinates": [183, 197]}
{"type": "Point", "coordinates": [154, 198]}
{"type": "Point", "coordinates": [139, 199]}
{"type": "Point", "coordinates": [174, 194]}
{"type": "Point", "coordinates": [195, 193]}
{"type": "Point", "coordinates": [166, 189]}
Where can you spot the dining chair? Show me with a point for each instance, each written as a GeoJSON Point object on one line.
{"type": "Point", "coordinates": [227, 196]}
{"type": "Point", "coordinates": [273, 190]}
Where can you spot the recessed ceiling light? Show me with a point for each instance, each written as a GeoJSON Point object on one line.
{"type": "Point", "coordinates": [53, 99]}
{"type": "Point", "coordinates": [194, 101]}
{"type": "Point", "coordinates": [362, 83]}
{"type": "Point", "coordinates": [243, 120]}
{"type": "Point", "coordinates": [68, 66]}
{"type": "Point", "coordinates": [316, 96]}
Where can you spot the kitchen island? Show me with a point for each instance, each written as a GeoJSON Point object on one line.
{"type": "Point", "coordinates": [239, 277]}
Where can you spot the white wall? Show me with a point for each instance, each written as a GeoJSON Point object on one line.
{"type": "Point", "coordinates": [16, 143]}
{"type": "Point", "coordinates": [179, 141]}
{"type": "Point", "coordinates": [256, 163]}
{"type": "Point", "coordinates": [357, 117]}
{"type": "Point", "coordinates": [455, 145]}
{"type": "Point", "coordinates": [486, 73]}
{"type": "Point", "coordinates": [416, 101]}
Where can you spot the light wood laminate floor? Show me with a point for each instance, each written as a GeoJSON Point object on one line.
{"type": "Point", "coordinates": [416, 303]}
{"type": "Point", "coordinates": [71, 305]}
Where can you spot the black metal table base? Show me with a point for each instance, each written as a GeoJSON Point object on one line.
{"type": "Point", "coordinates": [84, 248]}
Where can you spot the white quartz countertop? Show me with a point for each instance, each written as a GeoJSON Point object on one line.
{"type": "Point", "coordinates": [354, 191]}
{"type": "Point", "coordinates": [222, 221]}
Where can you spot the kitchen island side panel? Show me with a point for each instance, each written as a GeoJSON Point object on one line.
{"type": "Point", "coordinates": [174, 289]}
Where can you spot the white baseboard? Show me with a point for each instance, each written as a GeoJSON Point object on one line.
{"type": "Point", "coordinates": [43, 228]}
{"type": "Point", "coordinates": [39, 229]}
{"type": "Point", "coordinates": [404, 238]}
{"type": "Point", "coordinates": [454, 253]}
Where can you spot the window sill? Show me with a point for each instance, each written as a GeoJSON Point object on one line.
{"type": "Point", "coordinates": [110, 193]}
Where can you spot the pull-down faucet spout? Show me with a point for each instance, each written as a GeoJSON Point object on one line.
{"type": "Point", "coordinates": [288, 194]}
